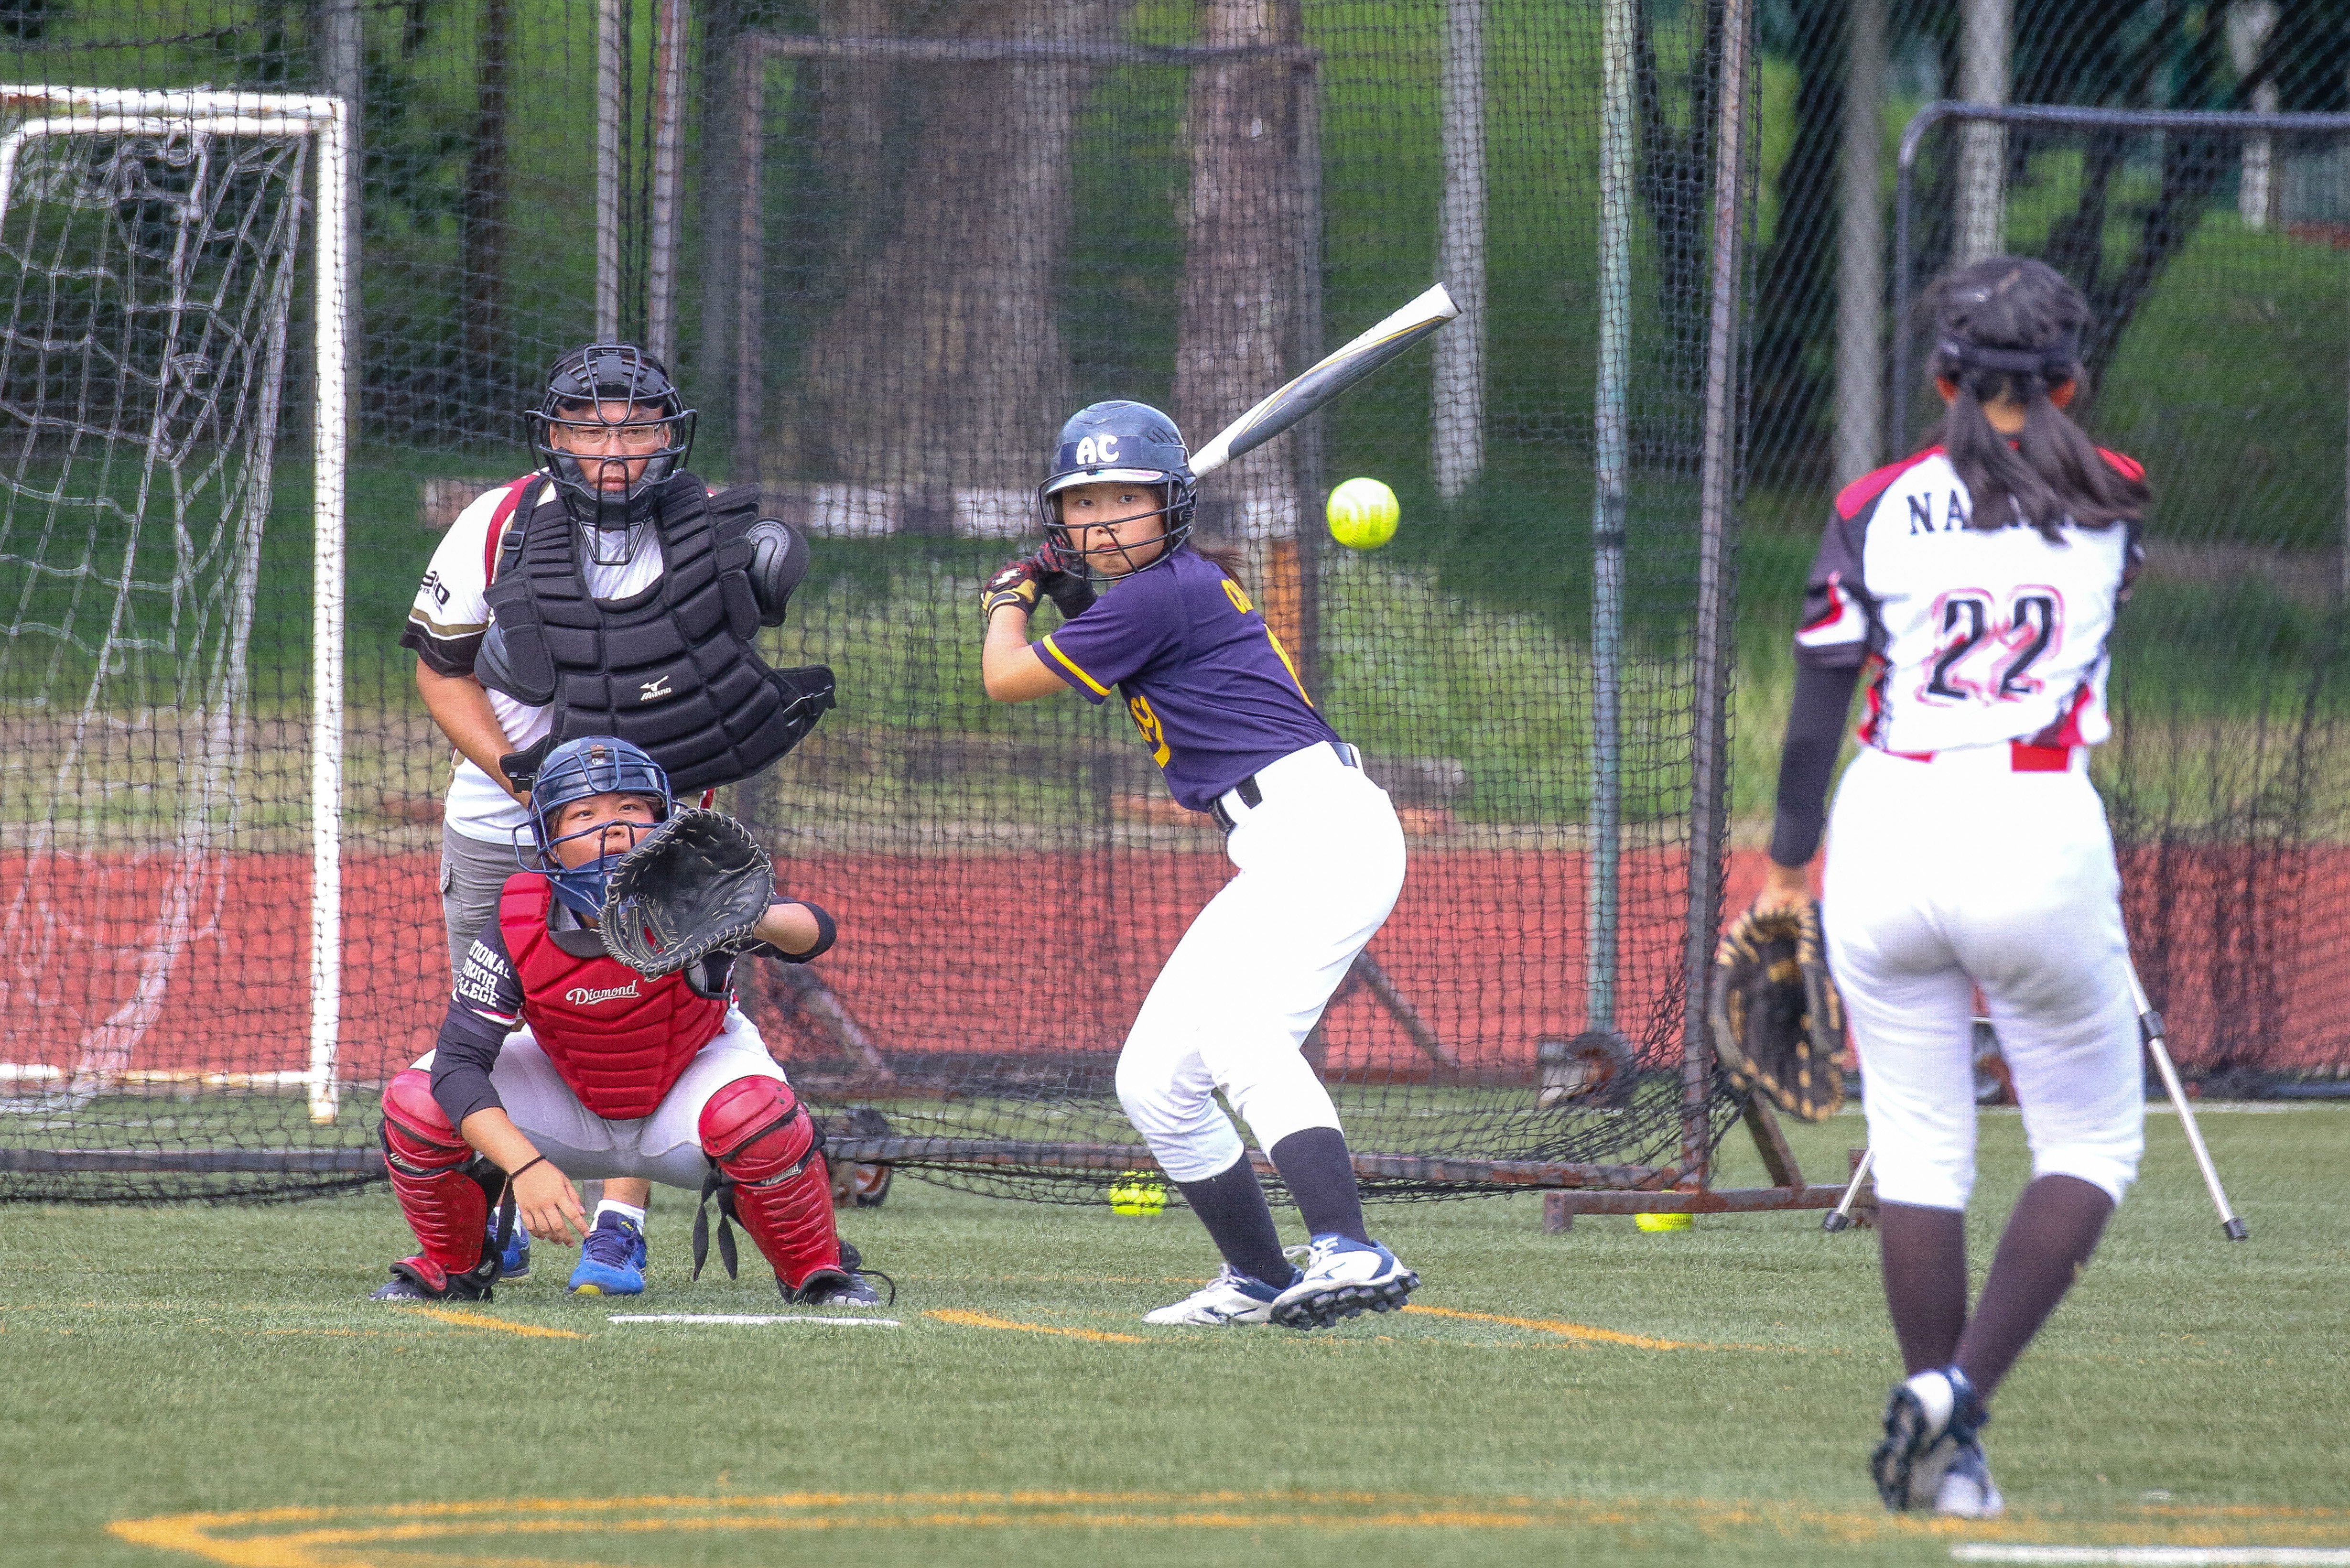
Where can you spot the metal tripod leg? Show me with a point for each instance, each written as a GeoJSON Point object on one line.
{"type": "Point", "coordinates": [2149, 1025]}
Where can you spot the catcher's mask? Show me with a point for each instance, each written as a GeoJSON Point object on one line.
{"type": "Point", "coordinates": [1119, 441]}
{"type": "Point", "coordinates": [655, 428]}
{"type": "Point", "coordinates": [575, 771]}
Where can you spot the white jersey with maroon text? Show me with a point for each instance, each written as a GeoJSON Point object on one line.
{"type": "Point", "coordinates": [1980, 635]}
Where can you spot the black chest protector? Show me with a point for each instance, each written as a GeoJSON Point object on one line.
{"type": "Point", "coordinates": [675, 668]}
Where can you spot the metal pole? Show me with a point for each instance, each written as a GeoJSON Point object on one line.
{"type": "Point", "coordinates": [1860, 259]}
{"type": "Point", "coordinates": [328, 437]}
{"type": "Point", "coordinates": [674, 20]}
{"type": "Point", "coordinates": [1607, 515]}
{"type": "Point", "coordinates": [344, 47]}
{"type": "Point", "coordinates": [1312, 477]}
{"type": "Point", "coordinates": [611, 75]}
{"type": "Point", "coordinates": [750, 99]}
{"type": "Point", "coordinates": [1458, 415]}
{"type": "Point", "coordinates": [1982, 147]}
{"type": "Point", "coordinates": [1715, 476]}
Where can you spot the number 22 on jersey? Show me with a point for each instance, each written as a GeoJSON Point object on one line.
{"type": "Point", "coordinates": [1987, 649]}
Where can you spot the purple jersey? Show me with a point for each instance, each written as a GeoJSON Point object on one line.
{"type": "Point", "coordinates": [1210, 688]}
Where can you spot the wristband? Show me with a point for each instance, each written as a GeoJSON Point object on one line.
{"type": "Point", "coordinates": [516, 1175]}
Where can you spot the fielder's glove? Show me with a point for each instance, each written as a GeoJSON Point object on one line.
{"type": "Point", "coordinates": [1778, 1022]}
{"type": "Point", "coordinates": [1015, 585]}
{"type": "Point", "coordinates": [696, 885]}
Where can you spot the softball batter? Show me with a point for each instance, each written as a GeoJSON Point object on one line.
{"type": "Point", "coordinates": [1319, 854]}
{"type": "Point", "coordinates": [1977, 582]}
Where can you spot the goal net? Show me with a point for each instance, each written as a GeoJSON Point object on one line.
{"type": "Point", "coordinates": [160, 784]}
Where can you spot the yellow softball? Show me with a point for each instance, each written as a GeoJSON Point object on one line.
{"type": "Point", "coordinates": [1138, 1192]}
{"type": "Point", "coordinates": [1363, 514]}
{"type": "Point", "coordinates": [1655, 1223]}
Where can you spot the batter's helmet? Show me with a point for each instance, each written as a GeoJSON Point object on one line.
{"type": "Point", "coordinates": [1119, 441]}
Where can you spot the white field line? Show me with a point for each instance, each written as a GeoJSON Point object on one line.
{"type": "Point", "coordinates": [750, 1319]}
{"type": "Point", "coordinates": [2155, 1556]}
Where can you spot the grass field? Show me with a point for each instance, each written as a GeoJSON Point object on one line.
{"type": "Point", "coordinates": [202, 1385]}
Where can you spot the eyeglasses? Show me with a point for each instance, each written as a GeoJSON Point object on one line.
{"type": "Point", "coordinates": [591, 436]}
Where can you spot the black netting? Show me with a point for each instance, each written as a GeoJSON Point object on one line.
{"type": "Point", "coordinates": [886, 247]}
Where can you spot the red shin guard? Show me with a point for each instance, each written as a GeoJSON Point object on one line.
{"type": "Point", "coordinates": [445, 1205]}
{"type": "Point", "coordinates": [764, 1144]}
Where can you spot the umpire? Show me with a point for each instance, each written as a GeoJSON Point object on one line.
{"type": "Point", "coordinates": [607, 592]}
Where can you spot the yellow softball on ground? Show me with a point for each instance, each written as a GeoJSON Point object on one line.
{"type": "Point", "coordinates": [1138, 1192]}
{"type": "Point", "coordinates": [1655, 1222]}
{"type": "Point", "coordinates": [1363, 514]}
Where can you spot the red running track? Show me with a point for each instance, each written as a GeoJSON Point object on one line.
{"type": "Point", "coordinates": [1041, 953]}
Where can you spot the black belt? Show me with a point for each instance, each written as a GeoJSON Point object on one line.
{"type": "Point", "coordinates": [1252, 796]}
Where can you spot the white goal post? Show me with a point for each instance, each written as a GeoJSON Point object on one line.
{"type": "Point", "coordinates": [39, 112]}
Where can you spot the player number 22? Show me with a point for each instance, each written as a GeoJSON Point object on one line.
{"type": "Point", "coordinates": [2032, 629]}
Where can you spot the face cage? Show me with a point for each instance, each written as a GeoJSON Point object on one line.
{"type": "Point", "coordinates": [601, 514]}
{"type": "Point", "coordinates": [580, 886]}
{"type": "Point", "coordinates": [1064, 553]}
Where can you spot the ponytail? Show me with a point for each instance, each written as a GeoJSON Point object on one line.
{"type": "Point", "coordinates": [2011, 327]}
{"type": "Point", "coordinates": [1226, 558]}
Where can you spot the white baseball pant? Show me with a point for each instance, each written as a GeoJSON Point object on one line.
{"type": "Point", "coordinates": [665, 1146]}
{"type": "Point", "coordinates": [1956, 873]}
{"type": "Point", "coordinates": [1321, 860]}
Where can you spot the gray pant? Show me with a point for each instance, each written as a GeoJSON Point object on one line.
{"type": "Point", "coordinates": [473, 873]}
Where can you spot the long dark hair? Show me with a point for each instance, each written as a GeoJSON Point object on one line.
{"type": "Point", "coordinates": [1226, 558]}
{"type": "Point", "coordinates": [2011, 325]}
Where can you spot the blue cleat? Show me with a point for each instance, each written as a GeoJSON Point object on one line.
{"type": "Point", "coordinates": [611, 1259]}
{"type": "Point", "coordinates": [517, 1258]}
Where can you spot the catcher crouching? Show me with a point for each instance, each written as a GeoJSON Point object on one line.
{"type": "Point", "coordinates": [559, 1061]}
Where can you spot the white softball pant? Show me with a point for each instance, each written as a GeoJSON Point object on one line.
{"type": "Point", "coordinates": [665, 1146]}
{"type": "Point", "coordinates": [1956, 873]}
{"type": "Point", "coordinates": [1321, 860]}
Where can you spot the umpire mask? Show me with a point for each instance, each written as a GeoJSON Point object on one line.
{"type": "Point", "coordinates": [610, 428]}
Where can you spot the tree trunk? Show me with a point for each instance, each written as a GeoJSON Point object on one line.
{"type": "Point", "coordinates": [481, 217]}
{"type": "Point", "coordinates": [1242, 230]}
{"type": "Point", "coordinates": [941, 374]}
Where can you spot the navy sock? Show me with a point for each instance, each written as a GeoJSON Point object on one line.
{"type": "Point", "coordinates": [1232, 1206]}
{"type": "Point", "coordinates": [1313, 1161]}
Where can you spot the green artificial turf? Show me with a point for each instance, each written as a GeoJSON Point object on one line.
{"type": "Point", "coordinates": [171, 1362]}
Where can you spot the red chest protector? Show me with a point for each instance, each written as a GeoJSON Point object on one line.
{"type": "Point", "coordinates": [620, 1040]}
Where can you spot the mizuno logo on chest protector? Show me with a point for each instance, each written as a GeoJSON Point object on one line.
{"type": "Point", "coordinates": [653, 691]}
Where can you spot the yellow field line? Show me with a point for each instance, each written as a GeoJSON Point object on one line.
{"type": "Point", "coordinates": [325, 1537]}
{"type": "Point", "coordinates": [981, 1320]}
{"type": "Point", "coordinates": [1582, 1332]}
{"type": "Point", "coordinates": [478, 1319]}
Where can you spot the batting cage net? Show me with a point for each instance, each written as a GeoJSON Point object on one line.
{"type": "Point", "coordinates": [887, 248]}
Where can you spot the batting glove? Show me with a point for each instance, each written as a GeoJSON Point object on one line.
{"type": "Point", "coordinates": [1015, 584]}
{"type": "Point", "coordinates": [1071, 594]}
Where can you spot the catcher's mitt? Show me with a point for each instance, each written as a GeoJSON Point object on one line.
{"type": "Point", "coordinates": [1778, 1022]}
{"type": "Point", "coordinates": [694, 885]}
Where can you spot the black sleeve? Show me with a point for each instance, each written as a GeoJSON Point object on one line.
{"type": "Point", "coordinates": [1815, 731]}
{"type": "Point", "coordinates": [827, 933]}
{"type": "Point", "coordinates": [484, 1008]}
{"type": "Point", "coordinates": [445, 654]}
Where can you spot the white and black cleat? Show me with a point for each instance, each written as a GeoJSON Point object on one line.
{"type": "Point", "coordinates": [1344, 1278]}
{"type": "Point", "coordinates": [1232, 1297]}
{"type": "Point", "coordinates": [1931, 1419]}
{"type": "Point", "coordinates": [1965, 1490]}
